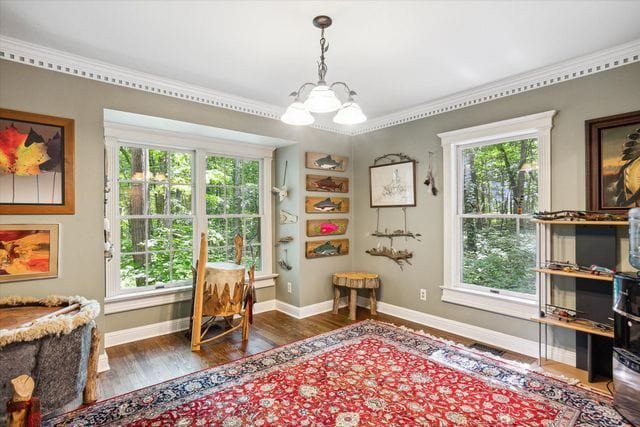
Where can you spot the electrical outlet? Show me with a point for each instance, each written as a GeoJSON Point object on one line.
{"type": "Point", "coordinates": [289, 287]}
{"type": "Point", "coordinates": [423, 294]}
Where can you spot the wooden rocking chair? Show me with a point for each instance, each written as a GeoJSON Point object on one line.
{"type": "Point", "coordinates": [220, 291]}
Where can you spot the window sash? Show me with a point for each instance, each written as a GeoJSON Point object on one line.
{"type": "Point", "coordinates": [198, 217]}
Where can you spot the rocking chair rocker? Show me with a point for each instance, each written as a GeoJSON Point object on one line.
{"type": "Point", "coordinates": [221, 291]}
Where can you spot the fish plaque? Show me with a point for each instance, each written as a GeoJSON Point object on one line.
{"type": "Point", "coordinates": [332, 184]}
{"type": "Point", "coordinates": [326, 227]}
{"type": "Point", "coordinates": [327, 162]}
{"type": "Point", "coordinates": [325, 248]}
{"type": "Point", "coordinates": [326, 205]}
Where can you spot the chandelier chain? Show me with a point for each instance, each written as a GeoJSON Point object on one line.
{"type": "Point", "coordinates": [322, 67]}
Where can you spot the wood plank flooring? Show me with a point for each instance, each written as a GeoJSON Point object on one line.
{"type": "Point", "coordinates": [151, 361]}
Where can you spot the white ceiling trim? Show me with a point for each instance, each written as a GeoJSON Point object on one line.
{"type": "Point", "coordinates": [16, 50]}
{"type": "Point", "coordinates": [546, 76]}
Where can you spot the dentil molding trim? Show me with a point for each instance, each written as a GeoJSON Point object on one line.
{"type": "Point", "coordinates": [16, 50]}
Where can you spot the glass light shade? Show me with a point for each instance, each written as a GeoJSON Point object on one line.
{"type": "Point", "coordinates": [349, 114]}
{"type": "Point", "coordinates": [297, 115]}
{"type": "Point", "coordinates": [322, 99]}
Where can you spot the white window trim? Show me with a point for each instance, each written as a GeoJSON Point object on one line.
{"type": "Point", "coordinates": [535, 125]}
{"type": "Point", "coordinates": [115, 133]}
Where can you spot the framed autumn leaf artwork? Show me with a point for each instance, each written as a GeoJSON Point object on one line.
{"type": "Point", "coordinates": [36, 164]}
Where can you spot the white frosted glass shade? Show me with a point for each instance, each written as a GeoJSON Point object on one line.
{"type": "Point", "coordinates": [349, 114]}
{"type": "Point", "coordinates": [322, 100]}
{"type": "Point", "coordinates": [297, 115]}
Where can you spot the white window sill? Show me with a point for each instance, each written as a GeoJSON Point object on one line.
{"type": "Point", "coordinates": [151, 298]}
{"type": "Point", "coordinates": [501, 304]}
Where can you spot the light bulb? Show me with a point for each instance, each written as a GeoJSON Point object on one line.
{"type": "Point", "coordinates": [297, 115]}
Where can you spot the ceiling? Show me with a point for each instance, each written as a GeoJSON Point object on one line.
{"type": "Point", "coordinates": [395, 54]}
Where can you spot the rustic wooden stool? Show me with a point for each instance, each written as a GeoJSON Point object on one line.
{"type": "Point", "coordinates": [354, 280]}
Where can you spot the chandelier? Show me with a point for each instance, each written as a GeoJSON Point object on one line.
{"type": "Point", "coordinates": [322, 97]}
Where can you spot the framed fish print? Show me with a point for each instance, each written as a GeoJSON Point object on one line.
{"type": "Point", "coordinates": [331, 184]}
{"type": "Point", "coordinates": [392, 184]}
{"type": "Point", "coordinates": [326, 248]}
{"type": "Point", "coordinates": [326, 204]}
{"type": "Point", "coordinates": [28, 252]}
{"type": "Point", "coordinates": [613, 163]}
{"type": "Point", "coordinates": [36, 164]}
{"type": "Point", "coordinates": [327, 162]}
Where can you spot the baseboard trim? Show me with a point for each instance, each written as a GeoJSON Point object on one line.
{"type": "Point", "coordinates": [477, 333]}
{"type": "Point", "coordinates": [103, 363]}
{"type": "Point", "coordinates": [124, 336]}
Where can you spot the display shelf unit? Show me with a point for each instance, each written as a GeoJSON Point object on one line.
{"type": "Point", "coordinates": [577, 274]}
{"type": "Point", "coordinates": [595, 244]}
{"type": "Point", "coordinates": [576, 325]}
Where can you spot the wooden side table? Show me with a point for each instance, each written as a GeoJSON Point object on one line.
{"type": "Point", "coordinates": [354, 280]}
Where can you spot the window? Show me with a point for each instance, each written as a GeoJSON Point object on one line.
{"type": "Point", "coordinates": [496, 177]}
{"type": "Point", "coordinates": [155, 217]}
{"type": "Point", "coordinates": [165, 190]}
{"type": "Point", "coordinates": [233, 206]}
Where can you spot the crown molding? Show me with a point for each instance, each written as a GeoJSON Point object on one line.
{"type": "Point", "coordinates": [575, 68]}
{"type": "Point", "coordinates": [16, 50]}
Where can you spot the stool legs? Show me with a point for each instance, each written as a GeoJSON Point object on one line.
{"type": "Point", "coordinates": [372, 301]}
{"type": "Point", "coordinates": [336, 299]}
{"type": "Point", "coordinates": [353, 300]}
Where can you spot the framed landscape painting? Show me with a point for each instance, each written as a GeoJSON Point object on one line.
{"type": "Point", "coordinates": [28, 252]}
{"type": "Point", "coordinates": [36, 164]}
{"type": "Point", "coordinates": [392, 185]}
{"type": "Point", "coordinates": [613, 163]}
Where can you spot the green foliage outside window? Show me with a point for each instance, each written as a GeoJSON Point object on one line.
{"type": "Point", "coordinates": [500, 180]}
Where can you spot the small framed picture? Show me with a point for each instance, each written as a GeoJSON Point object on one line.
{"type": "Point", "coordinates": [28, 252]}
{"type": "Point", "coordinates": [393, 185]}
{"type": "Point", "coordinates": [613, 163]}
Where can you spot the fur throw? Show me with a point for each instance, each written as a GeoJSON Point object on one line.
{"type": "Point", "coordinates": [63, 324]}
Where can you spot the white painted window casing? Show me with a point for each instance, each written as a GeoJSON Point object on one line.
{"type": "Point", "coordinates": [531, 126]}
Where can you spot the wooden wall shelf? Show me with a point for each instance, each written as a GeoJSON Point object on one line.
{"type": "Point", "coordinates": [564, 222]}
{"type": "Point", "coordinates": [577, 274]}
{"type": "Point", "coordinates": [576, 325]}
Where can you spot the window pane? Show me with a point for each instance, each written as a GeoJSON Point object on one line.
{"type": "Point", "coordinates": [132, 271]}
{"type": "Point", "coordinates": [131, 199]}
{"type": "Point", "coordinates": [216, 232]}
{"type": "Point", "coordinates": [158, 165]}
{"type": "Point", "coordinates": [215, 200]}
{"type": "Point", "coordinates": [180, 168]}
{"type": "Point", "coordinates": [250, 200]}
{"type": "Point", "coordinates": [250, 171]}
{"type": "Point", "coordinates": [218, 254]}
{"type": "Point", "coordinates": [501, 178]}
{"type": "Point", "coordinates": [182, 262]}
{"type": "Point", "coordinates": [234, 200]}
{"type": "Point", "coordinates": [132, 235]}
{"type": "Point", "coordinates": [158, 199]}
{"type": "Point", "coordinates": [499, 253]}
{"type": "Point", "coordinates": [181, 199]}
{"type": "Point", "coordinates": [216, 171]}
{"type": "Point", "coordinates": [159, 268]}
{"type": "Point", "coordinates": [182, 235]}
{"type": "Point", "coordinates": [159, 234]}
{"type": "Point", "coordinates": [234, 226]}
{"type": "Point", "coordinates": [131, 163]}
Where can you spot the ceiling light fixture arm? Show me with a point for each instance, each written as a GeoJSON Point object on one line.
{"type": "Point", "coordinates": [350, 92]}
{"type": "Point", "coordinates": [298, 92]}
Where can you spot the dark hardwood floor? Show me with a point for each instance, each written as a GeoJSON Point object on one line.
{"type": "Point", "coordinates": [143, 363]}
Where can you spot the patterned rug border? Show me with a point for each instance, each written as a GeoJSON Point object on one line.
{"type": "Point", "coordinates": [520, 367]}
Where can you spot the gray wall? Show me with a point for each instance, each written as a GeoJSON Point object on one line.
{"type": "Point", "coordinates": [35, 90]}
{"type": "Point", "coordinates": [603, 94]}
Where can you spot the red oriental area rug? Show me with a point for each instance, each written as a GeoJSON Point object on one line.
{"type": "Point", "coordinates": [366, 374]}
